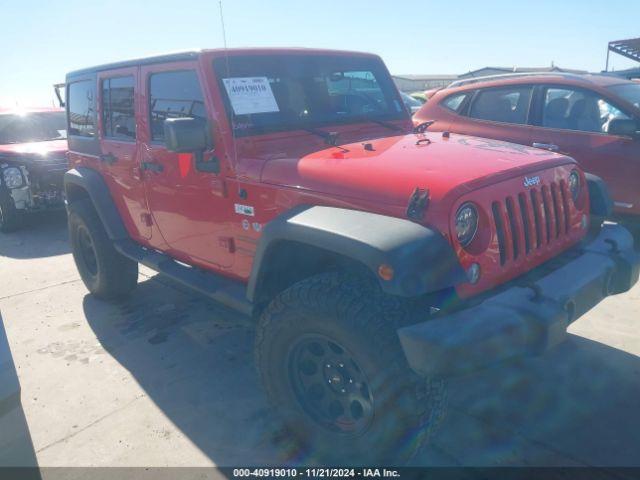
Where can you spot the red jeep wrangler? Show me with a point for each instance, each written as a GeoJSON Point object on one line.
{"type": "Point", "coordinates": [593, 118]}
{"type": "Point", "coordinates": [33, 161]}
{"type": "Point", "coordinates": [288, 184]}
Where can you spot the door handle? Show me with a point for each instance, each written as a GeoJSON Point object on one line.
{"type": "Point", "coordinates": [109, 158]}
{"type": "Point", "coordinates": [153, 166]}
{"type": "Point", "coordinates": [546, 146]}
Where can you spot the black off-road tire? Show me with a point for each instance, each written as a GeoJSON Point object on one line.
{"type": "Point", "coordinates": [9, 216]}
{"type": "Point", "coordinates": [105, 272]}
{"type": "Point", "coordinates": [633, 225]}
{"type": "Point", "coordinates": [361, 320]}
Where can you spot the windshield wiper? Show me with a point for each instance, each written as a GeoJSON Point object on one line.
{"type": "Point", "coordinates": [330, 138]}
{"type": "Point", "coordinates": [390, 126]}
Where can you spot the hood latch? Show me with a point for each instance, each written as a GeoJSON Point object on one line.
{"type": "Point", "coordinates": [418, 203]}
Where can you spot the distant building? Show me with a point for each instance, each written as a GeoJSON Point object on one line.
{"type": "Point", "coordinates": [420, 83]}
{"type": "Point", "coordinates": [629, 74]}
{"type": "Point", "coordinates": [483, 72]}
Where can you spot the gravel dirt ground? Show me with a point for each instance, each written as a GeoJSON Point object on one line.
{"type": "Point", "coordinates": [167, 379]}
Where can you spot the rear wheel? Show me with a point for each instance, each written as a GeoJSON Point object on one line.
{"type": "Point", "coordinates": [9, 217]}
{"type": "Point", "coordinates": [332, 365]}
{"type": "Point", "coordinates": [105, 272]}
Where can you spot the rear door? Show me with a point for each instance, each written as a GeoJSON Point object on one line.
{"type": "Point", "coordinates": [574, 121]}
{"type": "Point", "coordinates": [189, 206]}
{"type": "Point", "coordinates": [118, 97]}
{"type": "Point", "coordinates": [499, 113]}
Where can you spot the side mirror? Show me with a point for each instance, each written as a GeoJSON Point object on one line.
{"type": "Point", "coordinates": [186, 135]}
{"type": "Point", "coordinates": [190, 135]}
{"type": "Point", "coordinates": [624, 127]}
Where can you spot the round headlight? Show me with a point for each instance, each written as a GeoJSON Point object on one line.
{"type": "Point", "coordinates": [574, 185]}
{"type": "Point", "coordinates": [466, 223]}
{"type": "Point", "coordinates": [12, 177]}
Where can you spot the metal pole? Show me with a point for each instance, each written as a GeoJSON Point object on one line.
{"type": "Point", "coordinates": [606, 69]}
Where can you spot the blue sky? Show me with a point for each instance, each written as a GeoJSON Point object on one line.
{"type": "Point", "coordinates": [41, 39]}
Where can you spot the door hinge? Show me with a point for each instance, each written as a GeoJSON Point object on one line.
{"type": "Point", "coordinates": [227, 243]}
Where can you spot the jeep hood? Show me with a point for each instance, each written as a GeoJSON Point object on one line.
{"type": "Point", "coordinates": [387, 170]}
{"type": "Point", "coordinates": [39, 150]}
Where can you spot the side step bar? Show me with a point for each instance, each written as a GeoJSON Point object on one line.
{"type": "Point", "coordinates": [226, 291]}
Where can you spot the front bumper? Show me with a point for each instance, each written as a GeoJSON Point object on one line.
{"type": "Point", "coordinates": [528, 318]}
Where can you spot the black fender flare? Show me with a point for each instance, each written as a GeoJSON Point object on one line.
{"type": "Point", "coordinates": [421, 258]}
{"type": "Point", "coordinates": [600, 201]}
{"type": "Point", "coordinates": [92, 182]}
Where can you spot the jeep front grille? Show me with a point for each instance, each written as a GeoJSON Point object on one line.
{"type": "Point", "coordinates": [531, 220]}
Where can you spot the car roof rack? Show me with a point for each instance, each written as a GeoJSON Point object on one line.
{"type": "Point", "coordinates": [505, 76]}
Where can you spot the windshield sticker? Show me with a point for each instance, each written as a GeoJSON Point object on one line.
{"type": "Point", "coordinates": [250, 95]}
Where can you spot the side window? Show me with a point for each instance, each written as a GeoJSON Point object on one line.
{"type": "Point", "coordinates": [82, 109]}
{"type": "Point", "coordinates": [580, 110]}
{"type": "Point", "coordinates": [508, 104]}
{"type": "Point", "coordinates": [454, 102]}
{"type": "Point", "coordinates": [173, 95]}
{"type": "Point", "coordinates": [118, 114]}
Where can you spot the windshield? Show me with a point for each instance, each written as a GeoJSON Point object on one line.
{"type": "Point", "coordinates": [629, 91]}
{"type": "Point", "coordinates": [32, 127]}
{"type": "Point", "coordinates": [288, 92]}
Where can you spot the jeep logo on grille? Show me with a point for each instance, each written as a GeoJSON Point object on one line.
{"type": "Point", "coordinates": [531, 181]}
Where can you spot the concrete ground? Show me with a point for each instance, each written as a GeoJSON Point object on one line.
{"type": "Point", "coordinates": [167, 379]}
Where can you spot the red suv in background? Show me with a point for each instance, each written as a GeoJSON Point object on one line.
{"type": "Point", "coordinates": [33, 160]}
{"type": "Point", "coordinates": [593, 118]}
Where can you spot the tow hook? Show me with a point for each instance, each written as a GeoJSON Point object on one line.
{"type": "Point", "coordinates": [614, 245]}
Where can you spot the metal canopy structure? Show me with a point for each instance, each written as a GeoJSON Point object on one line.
{"type": "Point", "coordinates": [627, 48]}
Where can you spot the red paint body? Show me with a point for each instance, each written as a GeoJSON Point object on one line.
{"type": "Point", "coordinates": [616, 159]}
{"type": "Point", "coordinates": [193, 215]}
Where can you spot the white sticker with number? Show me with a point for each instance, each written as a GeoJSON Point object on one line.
{"type": "Point", "coordinates": [250, 95]}
{"type": "Point", "coordinates": [244, 210]}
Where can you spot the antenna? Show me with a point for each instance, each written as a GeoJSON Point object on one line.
{"type": "Point", "coordinates": [226, 55]}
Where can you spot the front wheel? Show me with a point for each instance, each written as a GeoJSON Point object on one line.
{"type": "Point", "coordinates": [331, 363]}
{"type": "Point", "coordinates": [105, 272]}
{"type": "Point", "coordinates": [9, 217]}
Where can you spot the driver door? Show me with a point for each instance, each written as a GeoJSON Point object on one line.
{"type": "Point", "coordinates": [188, 206]}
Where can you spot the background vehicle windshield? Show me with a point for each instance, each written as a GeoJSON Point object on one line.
{"type": "Point", "coordinates": [276, 93]}
{"type": "Point", "coordinates": [32, 127]}
{"type": "Point", "coordinates": [629, 91]}
{"type": "Point", "coordinates": [412, 104]}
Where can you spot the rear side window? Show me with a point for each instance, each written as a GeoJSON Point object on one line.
{"type": "Point", "coordinates": [454, 102]}
{"type": "Point", "coordinates": [580, 110]}
{"type": "Point", "coordinates": [82, 108]}
{"type": "Point", "coordinates": [508, 105]}
{"type": "Point", "coordinates": [174, 95]}
{"type": "Point", "coordinates": [118, 115]}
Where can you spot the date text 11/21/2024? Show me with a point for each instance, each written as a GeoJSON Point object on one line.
{"type": "Point", "coordinates": [320, 472]}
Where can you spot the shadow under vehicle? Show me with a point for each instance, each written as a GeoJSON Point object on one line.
{"type": "Point", "coordinates": [575, 406]}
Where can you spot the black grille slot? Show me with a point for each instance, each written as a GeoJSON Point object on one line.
{"type": "Point", "coordinates": [495, 207]}
{"type": "Point", "coordinates": [536, 217]}
{"type": "Point", "coordinates": [527, 222]}
{"type": "Point", "coordinates": [511, 215]}
{"type": "Point", "coordinates": [556, 208]}
{"type": "Point", "coordinates": [565, 204]}
{"type": "Point", "coordinates": [547, 213]}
